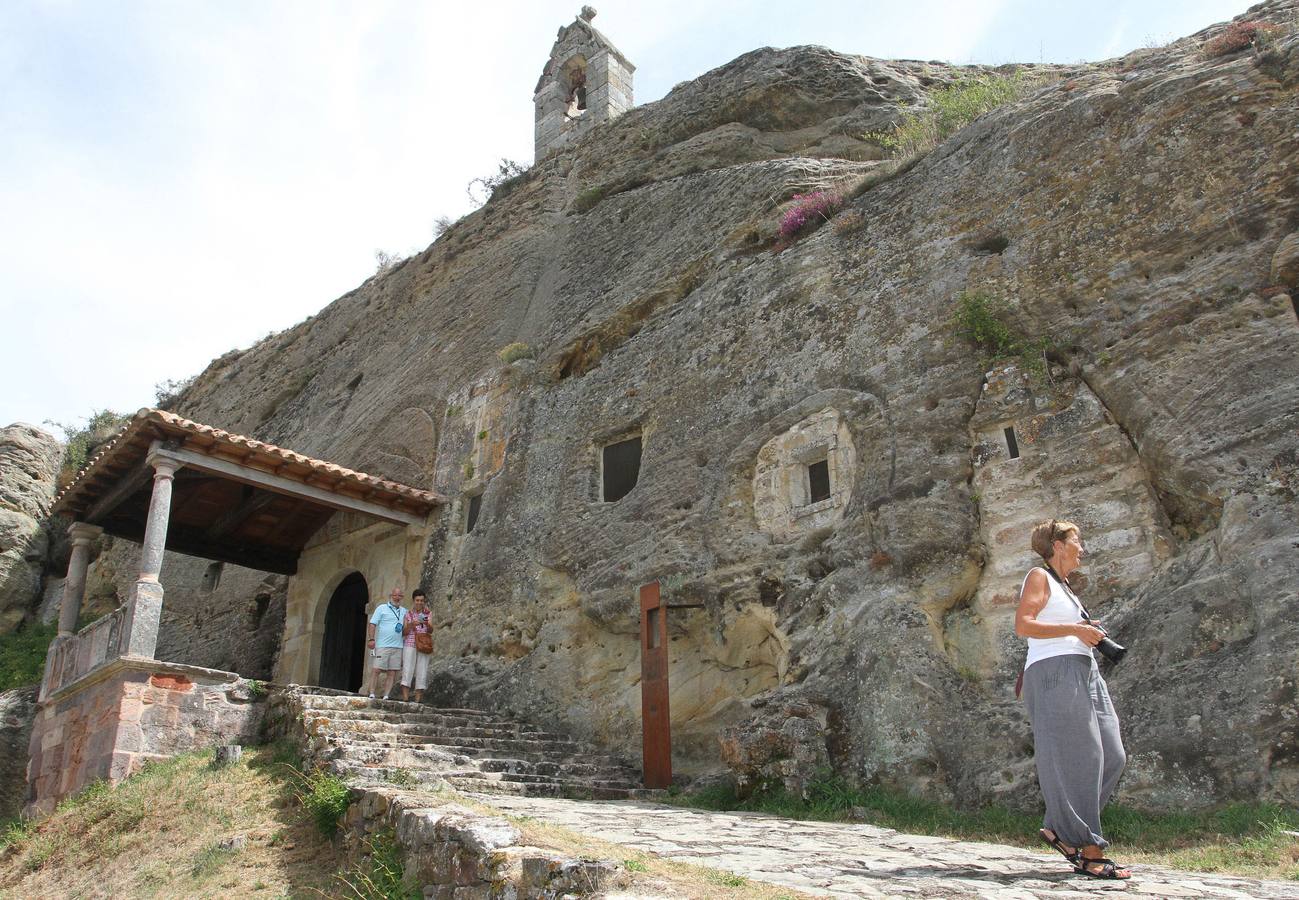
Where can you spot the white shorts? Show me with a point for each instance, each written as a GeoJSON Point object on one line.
{"type": "Point", "coordinates": [386, 658]}
{"type": "Point", "coordinates": [414, 667]}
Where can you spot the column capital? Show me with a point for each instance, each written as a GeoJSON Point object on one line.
{"type": "Point", "coordinates": [164, 464]}
{"type": "Point", "coordinates": [83, 532]}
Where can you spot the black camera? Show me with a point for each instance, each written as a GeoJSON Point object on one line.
{"type": "Point", "coordinates": [1111, 650]}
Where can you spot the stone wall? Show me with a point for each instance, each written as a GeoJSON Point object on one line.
{"type": "Point", "coordinates": [129, 712]}
{"type": "Point", "coordinates": [450, 852]}
{"type": "Point", "coordinates": [388, 556]}
{"type": "Point", "coordinates": [17, 713]}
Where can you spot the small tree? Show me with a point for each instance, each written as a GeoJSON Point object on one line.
{"type": "Point", "coordinates": [83, 440]}
{"type": "Point", "coordinates": [509, 174]}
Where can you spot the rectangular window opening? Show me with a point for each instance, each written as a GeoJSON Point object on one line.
{"type": "Point", "coordinates": [471, 516]}
{"type": "Point", "coordinates": [619, 469]}
{"type": "Point", "coordinates": [818, 481]}
{"type": "Point", "coordinates": [652, 638]}
{"type": "Point", "coordinates": [1012, 445]}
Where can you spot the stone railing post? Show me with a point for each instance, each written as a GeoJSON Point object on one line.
{"type": "Point", "coordinates": [74, 586]}
{"type": "Point", "coordinates": [144, 607]}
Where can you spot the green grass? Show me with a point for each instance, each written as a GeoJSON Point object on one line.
{"type": "Point", "coordinates": [1241, 838]}
{"type": "Point", "coordinates": [22, 655]}
{"type": "Point", "coordinates": [167, 831]}
{"type": "Point", "coordinates": [949, 109]}
{"type": "Point", "coordinates": [379, 875]}
{"type": "Point", "coordinates": [401, 778]}
{"type": "Point", "coordinates": [515, 352]}
{"type": "Point", "coordinates": [588, 199]}
{"type": "Point", "coordinates": [325, 797]}
{"type": "Point", "coordinates": [209, 860]}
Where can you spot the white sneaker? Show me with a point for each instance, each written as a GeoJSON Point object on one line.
{"type": "Point", "coordinates": [372, 696]}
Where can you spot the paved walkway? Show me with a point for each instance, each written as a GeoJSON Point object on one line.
{"type": "Point", "coordinates": [846, 860]}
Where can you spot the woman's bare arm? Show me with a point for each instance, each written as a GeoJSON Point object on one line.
{"type": "Point", "coordinates": [1033, 600]}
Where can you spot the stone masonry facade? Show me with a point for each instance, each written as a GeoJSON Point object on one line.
{"type": "Point", "coordinates": [130, 712]}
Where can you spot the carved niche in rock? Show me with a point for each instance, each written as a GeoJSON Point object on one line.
{"type": "Point", "coordinates": [803, 477]}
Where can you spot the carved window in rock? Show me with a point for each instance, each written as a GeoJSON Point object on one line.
{"type": "Point", "coordinates": [818, 481]}
{"type": "Point", "coordinates": [803, 477]}
{"type": "Point", "coordinates": [473, 506]}
{"type": "Point", "coordinates": [1012, 445]}
{"type": "Point", "coordinates": [619, 468]}
{"type": "Point", "coordinates": [212, 577]}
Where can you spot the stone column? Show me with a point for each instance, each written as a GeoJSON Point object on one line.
{"type": "Point", "coordinates": [144, 607]}
{"type": "Point", "coordinates": [74, 587]}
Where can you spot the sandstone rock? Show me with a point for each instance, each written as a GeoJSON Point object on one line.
{"type": "Point", "coordinates": [1285, 261]}
{"type": "Point", "coordinates": [29, 463]}
{"type": "Point", "coordinates": [29, 466]}
{"type": "Point", "coordinates": [783, 745]}
{"type": "Point", "coordinates": [17, 713]}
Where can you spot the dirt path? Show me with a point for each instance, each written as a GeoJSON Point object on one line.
{"type": "Point", "coordinates": [846, 860]}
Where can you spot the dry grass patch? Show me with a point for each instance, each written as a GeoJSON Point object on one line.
{"type": "Point", "coordinates": [176, 829]}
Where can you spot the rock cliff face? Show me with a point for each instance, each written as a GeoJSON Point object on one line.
{"type": "Point", "coordinates": [1139, 213]}
{"type": "Point", "coordinates": [17, 713]}
{"type": "Point", "coordinates": [29, 465]}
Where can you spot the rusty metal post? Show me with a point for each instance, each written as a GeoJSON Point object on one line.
{"type": "Point", "coordinates": [655, 716]}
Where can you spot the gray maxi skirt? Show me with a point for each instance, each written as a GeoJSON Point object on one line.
{"type": "Point", "coordinates": [1076, 744]}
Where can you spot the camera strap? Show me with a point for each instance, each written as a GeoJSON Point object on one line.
{"type": "Point", "coordinates": [1069, 591]}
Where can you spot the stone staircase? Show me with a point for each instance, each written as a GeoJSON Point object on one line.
{"type": "Point", "coordinates": [414, 745]}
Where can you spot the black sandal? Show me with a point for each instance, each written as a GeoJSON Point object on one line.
{"type": "Point", "coordinates": [1059, 846]}
{"type": "Point", "coordinates": [1108, 871]}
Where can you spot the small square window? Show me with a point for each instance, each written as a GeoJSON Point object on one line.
{"type": "Point", "coordinates": [619, 469]}
{"type": "Point", "coordinates": [818, 481]}
{"type": "Point", "coordinates": [471, 515]}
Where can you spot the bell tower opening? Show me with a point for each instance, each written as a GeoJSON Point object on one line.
{"type": "Point", "coordinates": [342, 652]}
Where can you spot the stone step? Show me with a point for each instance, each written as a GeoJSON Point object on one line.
{"type": "Point", "coordinates": [477, 732]}
{"type": "Point", "coordinates": [383, 715]}
{"type": "Point", "coordinates": [353, 702]}
{"type": "Point", "coordinates": [579, 791]}
{"type": "Point", "coordinates": [519, 749]}
{"type": "Point", "coordinates": [409, 744]}
{"type": "Point", "coordinates": [482, 782]}
{"type": "Point", "coordinates": [437, 760]}
{"type": "Point", "coordinates": [478, 756]}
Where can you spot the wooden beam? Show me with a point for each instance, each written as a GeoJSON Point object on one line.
{"type": "Point", "coordinates": [139, 475]}
{"type": "Point", "coordinates": [281, 485]}
{"type": "Point", "coordinates": [281, 563]}
{"type": "Point", "coordinates": [232, 519]}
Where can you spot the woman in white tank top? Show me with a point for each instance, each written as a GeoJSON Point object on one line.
{"type": "Point", "coordinates": [1076, 742]}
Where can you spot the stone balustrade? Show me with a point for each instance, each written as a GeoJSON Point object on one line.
{"type": "Point", "coordinates": [72, 657]}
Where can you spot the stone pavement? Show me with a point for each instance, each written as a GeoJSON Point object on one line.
{"type": "Point", "coordinates": [848, 860]}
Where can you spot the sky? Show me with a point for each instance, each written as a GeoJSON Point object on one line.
{"type": "Point", "coordinates": [180, 178]}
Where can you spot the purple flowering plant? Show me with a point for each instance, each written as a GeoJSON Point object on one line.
{"type": "Point", "coordinates": [808, 210]}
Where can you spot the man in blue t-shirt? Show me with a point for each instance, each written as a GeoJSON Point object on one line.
{"type": "Point", "coordinates": [385, 642]}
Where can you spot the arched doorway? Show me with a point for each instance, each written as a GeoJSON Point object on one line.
{"type": "Point", "coordinates": [342, 653]}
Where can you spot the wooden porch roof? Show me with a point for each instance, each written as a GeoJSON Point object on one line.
{"type": "Point", "coordinates": [235, 499]}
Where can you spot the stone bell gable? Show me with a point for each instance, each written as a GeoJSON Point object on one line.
{"type": "Point", "coordinates": [586, 81]}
